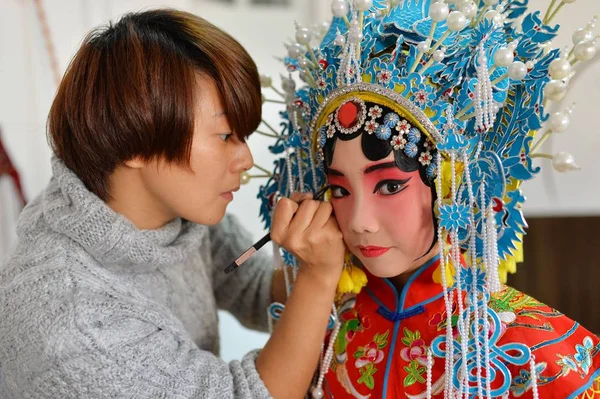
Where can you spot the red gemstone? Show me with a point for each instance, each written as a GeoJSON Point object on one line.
{"type": "Point", "coordinates": [499, 204]}
{"type": "Point", "coordinates": [348, 114]}
{"type": "Point", "coordinates": [323, 64]}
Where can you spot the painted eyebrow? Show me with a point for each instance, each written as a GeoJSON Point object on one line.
{"type": "Point", "coordinates": [370, 169]}
{"type": "Point", "coordinates": [386, 165]}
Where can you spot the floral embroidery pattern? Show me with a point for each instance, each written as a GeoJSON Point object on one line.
{"type": "Point", "coordinates": [522, 382]}
{"type": "Point", "coordinates": [368, 356]}
{"type": "Point", "coordinates": [581, 361]}
{"type": "Point", "coordinates": [415, 354]}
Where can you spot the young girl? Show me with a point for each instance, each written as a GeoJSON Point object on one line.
{"type": "Point", "coordinates": [114, 286]}
{"type": "Point", "coordinates": [421, 116]}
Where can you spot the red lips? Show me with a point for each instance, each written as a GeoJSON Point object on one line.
{"type": "Point", "coordinates": [372, 252]}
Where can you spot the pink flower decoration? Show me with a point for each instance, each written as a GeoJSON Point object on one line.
{"type": "Point", "coordinates": [416, 351]}
{"type": "Point", "coordinates": [372, 355]}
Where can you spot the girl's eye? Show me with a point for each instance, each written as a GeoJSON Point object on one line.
{"type": "Point", "coordinates": [225, 136]}
{"type": "Point", "coordinates": [338, 192]}
{"type": "Point", "coordinates": [390, 187]}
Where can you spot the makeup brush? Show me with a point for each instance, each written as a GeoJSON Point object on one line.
{"type": "Point", "coordinates": [260, 243]}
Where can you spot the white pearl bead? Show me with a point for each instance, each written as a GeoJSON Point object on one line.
{"type": "Point", "coordinates": [517, 70]}
{"type": "Point", "coordinates": [582, 35]}
{"type": "Point", "coordinates": [302, 75]}
{"type": "Point", "coordinates": [490, 2]}
{"type": "Point", "coordinates": [439, 11]}
{"type": "Point", "coordinates": [363, 5]}
{"type": "Point", "coordinates": [317, 393]}
{"type": "Point", "coordinates": [355, 35]}
{"type": "Point", "coordinates": [555, 90]}
{"type": "Point", "coordinates": [530, 65]}
{"type": "Point", "coordinates": [339, 40]}
{"type": "Point", "coordinates": [456, 21]}
{"type": "Point", "coordinates": [265, 81]}
{"type": "Point", "coordinates": [504, 57]}
{"type": "Point", "coordinates": [513, 45]}
{"type": "Point", "coordinates": [438, 55]}
{"type": "Point", "coordinates": [560, 68]}
{"type": "Point", "coordinates": [468, 8]}
{"type": "Point", "coordinates": [303, 36]}
{"type": "Point", "coordinates": [245, 178]}
{"type": "Point", "coordinates": [339, 8]}
{"type": "Point", "coordinates": [302, 63]}
{"type": "Point", "coordinates": [585, 51]}
{"type": "Point", "coordinates": [559, 122]}
{"type": "Point", "coordinates": [493, 16]}
{"type": "Point", "coordinates": [289, 85]}
{"type": "Point", "coordinates": [423, 47]}
{"type": "Point", "coordinates": [564, 162]}
{"type": "Point", "coordinates": [295, 50]}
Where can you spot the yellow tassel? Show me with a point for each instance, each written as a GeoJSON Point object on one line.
{"type": "Point", "coordinates": [447, 176]}
{"type": "Point", "coordinates": [345, 284]}
{"type": "Point", "coordinates": [359, 278]}
{"type": "Point", "coordinates": [509, 265]}
{"type": "Point", "coordinates": [437, 274]}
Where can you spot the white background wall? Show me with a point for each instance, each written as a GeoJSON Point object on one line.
{"type": "Point", "coordinates": [27, 89]}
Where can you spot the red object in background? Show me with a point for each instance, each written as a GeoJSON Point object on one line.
{"type": "Point", "coordinates": [7, 168]}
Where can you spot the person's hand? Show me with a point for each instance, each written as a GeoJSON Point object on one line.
{"type": "Point", "coordinates": [307, 229]}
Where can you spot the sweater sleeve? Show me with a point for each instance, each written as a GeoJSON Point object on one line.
{"type": "Point", "coordinates": [245, 292]}
{"type": "Point", "coordinates": [65, 336]}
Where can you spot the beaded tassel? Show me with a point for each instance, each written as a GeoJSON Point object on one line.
{"type": "Point", "coordinates": [447, 294]}
{"type": "Point", "coordinates": [484, 110]}
{"type": "Point", "coordinates": [474, 269]}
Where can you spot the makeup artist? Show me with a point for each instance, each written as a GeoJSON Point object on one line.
{"type": "Point", "coordinates": [114, 286]}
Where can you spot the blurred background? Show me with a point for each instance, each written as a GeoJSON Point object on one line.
{"type": "Point", "coordinates": [39, 37]}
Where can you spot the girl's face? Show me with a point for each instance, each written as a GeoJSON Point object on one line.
{"type": "Point", "coordinates": [385, 214]}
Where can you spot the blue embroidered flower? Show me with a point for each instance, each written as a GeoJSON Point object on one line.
{"type": "Point", "coordinates": [411, 150]}
{"type": "Point", "coordinates": [388, 74]}
{"type": "Point", "coordinates": [431, 170]}
{"type": "Point", "coordinates": [423, 95]}
{"type": "Point", "coordinates": [383, 132]}
{"type": "Point", "coordinates": [567, 364]}
{"type": "Point", "coordinates": [391, 119]}
{"type": "Point", "coordinates": [414, 135]}
{"type": "Point", "coordinates": [522, 383]}
{"type": "Point", "coordinates": [454, 217]}
{"type": "Point", "coordinates": [322, 136]}
{"type": "Point", "coordinates": [583, 355]}
{"type": "Point", "coordinates": [452, 141]}
{"type": "Point", "coordinates": [467, 279]}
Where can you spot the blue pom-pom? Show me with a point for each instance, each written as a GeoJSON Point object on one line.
{"type": "Point", "coordinates": [383, 132]}
{"type": "Point", "coordinates": [411, 150]}
{"type": "Point", "coordinates": [414, 135]}
{"type": "Point", "coordinates": [391, 120]}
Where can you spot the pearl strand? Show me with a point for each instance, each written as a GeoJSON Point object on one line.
{"type": "Point", "coordinates": [288, 164]}
{"type": "Point", "coordinates": [473, 253]}
{"type": "Point", "coordinates": [313, 169]}
{"type": "Point", "coordinates": [317, 392]}
{"type": "Point", "coordinates": [298, 152]}
{"type": "Point", "coordinates": [455, 254]}
{"type": "Point", "coordinates": [494, 277]}
{"type": "Point", "coordinates": [447, 297]}
{"type": "Point", "coordinates": [534, 378]}
{"type": "Point", "coordinates": [462, 316]}
{"type": "Point", "coordinates": [429, 371]}
{"type": "Point", "coordinates": [486, 323]}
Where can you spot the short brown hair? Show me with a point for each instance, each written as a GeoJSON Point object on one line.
{"type": "Point", "coordinates": [130, 91]}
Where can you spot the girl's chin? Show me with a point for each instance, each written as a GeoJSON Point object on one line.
{"type": "Point", "coordinates": [384, 269]}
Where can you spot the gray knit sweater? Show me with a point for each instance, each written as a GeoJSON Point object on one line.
{"type": "Point", "coordinates": [92, 307]}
